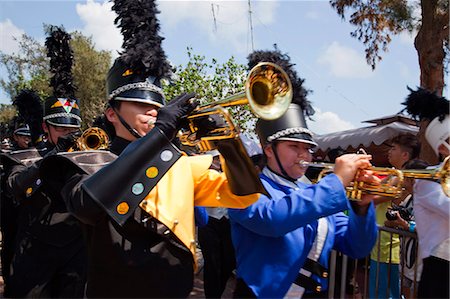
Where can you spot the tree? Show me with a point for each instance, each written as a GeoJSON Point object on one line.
{"type": "Point", "coordinates": [212, 81]}
{"type": "Point", "coordinates": [89, 71]}
{"type": "Point", "coordinates": [29, 68]}
{"type": "Point", "coordinates": [26, 69]}
{"type": "Point", "coordinates": [376, 20]}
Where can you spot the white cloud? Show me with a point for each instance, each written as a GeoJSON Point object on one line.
{"type": "Point", "coordinates": [98, 19]}
{"type": "Point", "coordinates": [312, 15]}
{"type": "Point", "coordinates": [404, 70]}
{"type": "Point", "coordinates": [8, 33]}
{"type": "Point", "coordinates": [345, 62]}
{"type": "Point", "coordinates": [223, 22]}
{"type": "Point", "coordinates": [328, 122]}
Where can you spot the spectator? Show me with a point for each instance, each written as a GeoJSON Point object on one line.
{"type": "Point", "coordinates": [410, 264]}
{"type": "Point", "coordinates": [384, 279]}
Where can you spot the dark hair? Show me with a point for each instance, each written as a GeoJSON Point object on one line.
{"type": "Point", "coordinates": [408, 142]}
{"type": "Point", "coordinates": [335, 153]}
{"type": "Point", "coordinates": [416, 164]}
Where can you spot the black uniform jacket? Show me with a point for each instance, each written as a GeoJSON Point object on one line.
{"type": "Point", "coordinates": [136, 260]}
{"type": "Point", "coordinates": [43, 214]}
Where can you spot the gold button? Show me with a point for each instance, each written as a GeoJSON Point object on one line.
{"type": "Point", "coordinates": [318, 288]}
{"type": "Point", "coordinates": [175, 222]}
{"type": "Point", "coordinates": [151, 172]}
{"type": "Point", "coordinates": [29, 191]}
{"type": "Point", "coordinates": [325, 274]}
{"type": "Point", "coordinates": [122, 208]}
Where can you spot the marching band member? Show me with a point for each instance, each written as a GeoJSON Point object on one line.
{"type": "Point", "coordinates": [431, 204]}
{"type": "Point", "coordinates": [286, 237]}
{"type": "Point", "coordinates": [50, 258]}
{"type": "Point", "coordinates": [138, 211]}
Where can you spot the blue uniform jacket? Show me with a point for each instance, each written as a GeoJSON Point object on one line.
{"type": "Point", "coordinates": [273, 237]}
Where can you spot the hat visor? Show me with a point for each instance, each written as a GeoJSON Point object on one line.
{"type": "Point", "coordinates": [299, 137]}
{"type": "Point", "coordinates": [141, 96]}
{"type": "Point", "coordinates": [64, 122]}
{"type": "Point", "coordinates": [137, 100]}
{"type": "Point", "coordinates": [23, 134]}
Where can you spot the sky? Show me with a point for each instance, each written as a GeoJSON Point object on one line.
{"type": "Point", "coordinates": [345, 91]}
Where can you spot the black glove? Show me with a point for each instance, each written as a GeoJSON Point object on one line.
{"type": "Point", "coordinates": [207, 124]}
{"type": "Point", "coordinates": [170, 118]}
{"type": "Point", "coordinates": [66, 142]}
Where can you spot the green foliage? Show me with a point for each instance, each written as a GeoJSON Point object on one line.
{"type": "Point", "coordinates": [212, 81]}
{"type": "Point", "coordinates": [29, 68]}
{"type": "Point", "coordinates": [375, 21]}
{"type": "Point", "coordinates": [7, 113]}
{"type": "Point", "coordinates": [26, 69]}
{"type": "Point", "coordinates": [89, 72]}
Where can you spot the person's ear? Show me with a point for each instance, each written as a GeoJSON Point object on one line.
{"type": "Point", "coordinates": [268, 151]}
{"type": "Point", "coordinates": [111, 115]}
{"type": "Point", "coordinates": [45, 127]}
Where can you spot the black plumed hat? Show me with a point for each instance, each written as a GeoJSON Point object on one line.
{"type": "Point", "coordinates": [61, 108]}
{"type": "Point", "coordinates": [29, 107]}
{"type": "Point", "coordinates": [423, 104]}
{"type": "Point", "coordinates": [136, 75]}
{"type": "Point", "coordinates": [292, 124]}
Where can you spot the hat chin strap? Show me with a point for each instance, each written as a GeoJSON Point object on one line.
{"type": "Point", "coordinates": [283, 172]}
{"type": "Point", "coordinates": [126, 125]}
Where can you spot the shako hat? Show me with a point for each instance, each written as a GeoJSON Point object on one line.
{"type": "Point", "coordinates": [29, 107]}
{"type": "Point", "coordinates": [136, 75]}
{"type": "Point", "coordinates": [22, 131]}
{"type": "Point", "coordinates": [61, 108]}
{"type": "Point", "coordinates": [425, 105]}
{"type": "Point", "coordinates": [292, 124]}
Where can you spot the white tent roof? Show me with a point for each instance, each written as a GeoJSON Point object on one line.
{"type": "Point", "coordinates": [363, 136]}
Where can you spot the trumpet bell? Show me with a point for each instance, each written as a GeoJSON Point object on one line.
{"type": "Point", "coordinates": [268, 90]}
{"type": "Point", "coordinates": [91, 139]}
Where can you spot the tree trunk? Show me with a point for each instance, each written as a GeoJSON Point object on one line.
{"type": "Point", "coordinates": [429, 44]}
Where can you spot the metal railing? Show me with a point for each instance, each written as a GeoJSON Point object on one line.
{"type": "Point", "coordinates": [338, 289]}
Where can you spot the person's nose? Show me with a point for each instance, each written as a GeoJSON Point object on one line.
{"type": "Point", "coordinates": [152, 112]}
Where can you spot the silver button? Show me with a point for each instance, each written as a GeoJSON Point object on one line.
{"type": "Point", "coordinates": [137, 188]}
{"type": "Point", "coordinates": [166, 155]}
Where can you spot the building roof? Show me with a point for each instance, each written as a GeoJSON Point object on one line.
{"type": "Point", "coordinates": [392, 118]}
{"type": "Point", "coordinates": [364, 136]}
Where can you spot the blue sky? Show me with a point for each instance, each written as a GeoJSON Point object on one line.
{"type": "Point", "coordinates": [345, 91]}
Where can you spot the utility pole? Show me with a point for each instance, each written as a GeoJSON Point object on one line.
{"type": "Point", "coordinates": [250, 23]}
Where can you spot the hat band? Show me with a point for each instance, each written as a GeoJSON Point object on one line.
{"type": "Point", "coordinates": [68, 115]}
{"type": "Point", "coordinates": [138, 85]}
{"type": "Point", "coordinates": [286, 132]}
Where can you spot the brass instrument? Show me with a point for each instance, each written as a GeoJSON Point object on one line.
{"type": "Point", "coordinates": [268, 92]}
{"type": "Point", "coordinates": [92, 138]}
{"type": "Point", "coordinates": [357, 188]}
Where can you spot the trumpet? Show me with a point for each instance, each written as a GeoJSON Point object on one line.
{"type": "Point", "coordinates": [92, 138]}
{"type": "Point", "coordinates": [357, 188]}
{"type": "Point", "coordinates": [268, 92]}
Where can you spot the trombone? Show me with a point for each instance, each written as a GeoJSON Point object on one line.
{"type": "Point", "coordinates": [358, 188]}
{"type": "Point", "coordinates": [268, 92]}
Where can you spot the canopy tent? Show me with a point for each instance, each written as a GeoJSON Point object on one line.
{"type": "Point", "coordinates": [373, 139]}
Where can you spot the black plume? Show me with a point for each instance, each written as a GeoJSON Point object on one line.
{"type": "Point", "coordinates": [424, 104]}
{"type": "Point", "coordinates": [29, 107]}
{"type": "Point", "coordinates": [61, 59]}
{"type": "Point", "coordinates": [142, 44]}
